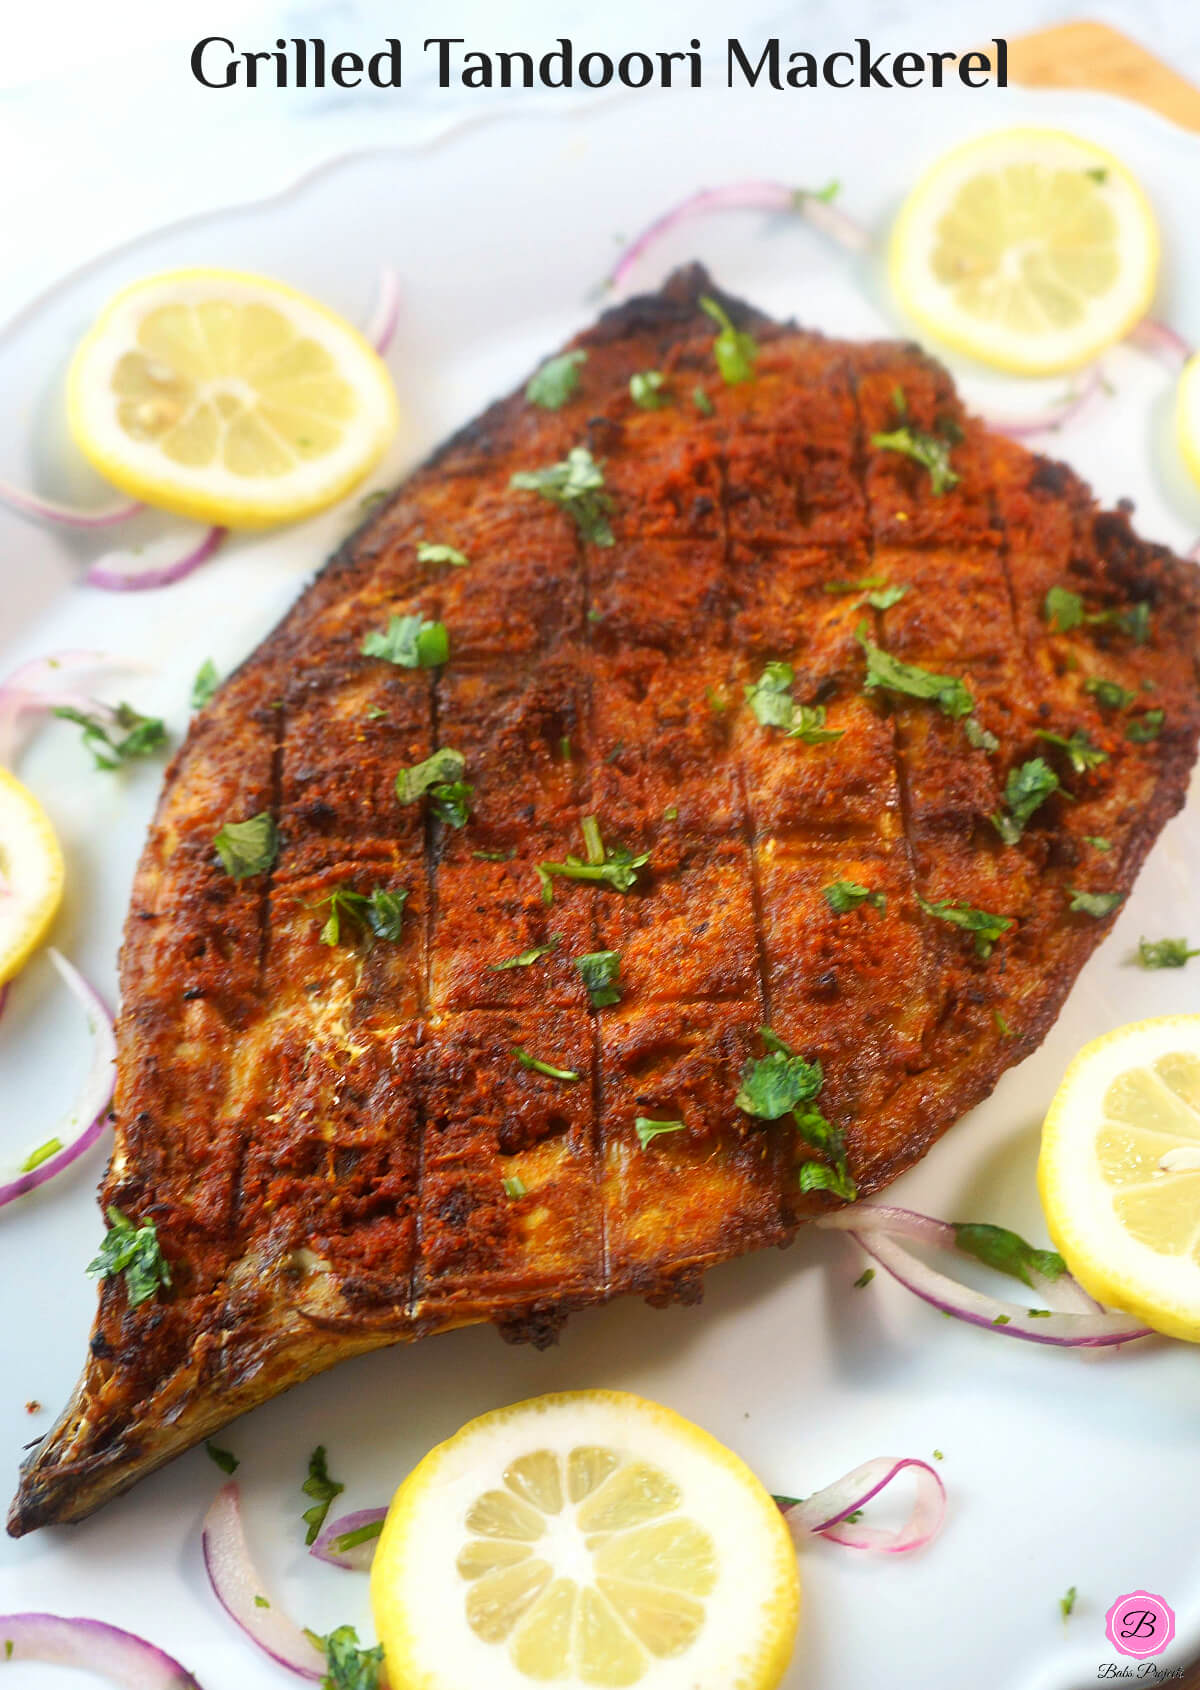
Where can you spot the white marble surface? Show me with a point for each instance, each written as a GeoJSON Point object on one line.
{"type": "Point", "coordinates": [105, 134]}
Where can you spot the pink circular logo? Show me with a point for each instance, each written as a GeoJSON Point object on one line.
{"type": "Point", "coordinates": [1140, 1624]}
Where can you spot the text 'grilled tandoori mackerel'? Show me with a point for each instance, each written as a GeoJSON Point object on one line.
{"type": "Point", "coordinates": [775, 692]}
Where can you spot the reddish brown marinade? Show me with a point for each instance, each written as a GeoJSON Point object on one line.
{"type": "Point", "coordinates": [336, 1144]}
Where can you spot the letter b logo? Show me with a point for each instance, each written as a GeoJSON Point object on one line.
{"type": "Point", "coordinates": [1140, 1624]}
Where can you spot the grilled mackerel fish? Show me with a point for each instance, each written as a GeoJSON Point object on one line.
{"type": "Point", "coordinates": [834, 714]}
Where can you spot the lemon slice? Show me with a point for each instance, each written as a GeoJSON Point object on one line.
{"type": "Point", "coordinates": [1119, 1171]}
{"type": "Point", "coordinates": [31, 875]}
{"type": "Point", "coordinates": [589, 1538]}
{"type": "Point", "coordinates": [1187, 416]}
{"type": "Point", "coordinates": [228, 398]}
{"type": "Point", "coordinates": [1029, 249]}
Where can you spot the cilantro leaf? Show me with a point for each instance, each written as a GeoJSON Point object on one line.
{"type": "Point", "coordinates": [514, 1187]}
{"type": "Point", "coordinates": [1079, 748]}
{"type": "Point", "coordinates": [775, 1084]}
{"type": "Point", "coordinates": [525, 959]}
{"type": "Point", "coordinates": [982, 924]}
{"type": "Point", "coordinates": [414, 782]}
{"type": "Point", "coordinates": [818, 1176]}
{"type": "Point", "coordinates": [647, 389]}
{"type": "Point", "coordinates": [598, 970]}
{"type": "Point", "coordinates": [248, 848]}
{"type": "Point", "coordinates": [555, 382]}
{"type": "Point", "coordinates": [576, 485]}
{"type": "Point", "coordinates": [450, 801]}
{"type": "Point", "coordinates": [349, 1666]}
{"type": "Point", "coordinates": [116, 736]}
{"type": "Point", "coordinates": [205, 684]}
{"type": "Point", "coordinates": [1024, 791]}
{"type": "Point", "coordinates": [1062, 610]}
{"type": "Point", "coordinates": [380, 912]}
{"type": "Point", "coordinates": [1066, 1604]}
{"type": "Point", "coordinates": [1109, 695]}
{"type": "Point", "coordinates": [978, 735]}
{"type": "Point", "coordinates": [774, 707]}
{"type": "Point", "coordinates": [930, 450]}
{"type": "Point", "coordinates": [609, 866]}
{"type": "Point", "coordinates": [1097, 841]}
{"type": "Point", "coordinates": [735, 351]}
{"type": "Point", "coordinates": [428, 552]}
{"type": "Point", "coordinates": [648, 1130]}
{"type": "Point", "coordinates": [410, 642]}
{"type": "Point", "coordinates": [948, 692]}
{"type": "Point", "coordinates": [135, 1252]}
{"type": "Point", "coordinates": [1097, 904]}
{"type": "Point", "coordinates": [702, 402]}
{"type": "Point", "coordinates": [886, 597]}
{"type": "Point", "coordinates": [1164, 953]}
{"type": "Point", "coordinates": [322, 1489]}
{"type": "Point", "coordinates": [536, 1066]}
{"type": "Point", "coordinates": [867, 583]}
{"type": "Point", "coordinates": [227, 1462]}
{"type": "Point", "coordinates": [845, 895]}
{"type": "Point", "coordinates": [1007, 1252]}
{"type": "Point", "coordinates": [1142, 729]}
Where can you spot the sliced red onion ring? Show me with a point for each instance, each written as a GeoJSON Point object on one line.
{"type": "Point", "coordinates": [1073, 404]}
{"type": "Point", "coordinates": [743, 196]}
{"type": "Point", "coordinates": [125, 1660]}
{"type": "Point", "coordinates": [236, 1583]}
{"type": "Point", "coordinates": [825, 1512]}
{"type": "Point", "coordinates": [364, 1525]}
{"type": "Point", "coordinates": [875, 1227]}
{"type": "Point", "coordinates": [386, 315]}
{"type": "Point", "coordinates": [69, 516]}
{"type": "Point", "coordinates": [122, 572]}
{"type": "Point", "coordinates": [97, 1088]}
{"type": "Point", "coordinates": [1161, 342]}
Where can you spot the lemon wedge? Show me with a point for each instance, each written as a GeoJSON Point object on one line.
{"type": "Point", "coordinates": [228, 398]}
{"type": "Point", "coordinates": [588, 1538]}
{"type": "Point", "coordinates": [31, 875]}
{"type": "Point", "coordinates": [1029, 249]}
{"type": "Point", "coordinates": [1119, 1171]}
{"type": "Point", "coordinates": [1187, 416]}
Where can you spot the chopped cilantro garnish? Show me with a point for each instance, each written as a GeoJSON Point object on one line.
{"type": "Point", "coordinates": [845, 895]}
{"type": "Point", "coordinates": [42, 1154]}
{"type": "Point", "coordinates": [576, 484]}
{"type": "Point", "coordinates": [1097, 904]}
{"type": "Point", "coordinates": [227, 1462]}
{"type": "Point", "coordinates": [771, 700]}
{"type": "Point", "coordinates": [1142, 729]}
{"type": "Point", "coordinates": [525, 959]}
{"type": "Point", "coordinates": [1007, 1252]}
{"type": "Point", "coordinates": [261, 1602]}
{"type": "Point", "coordinates": [978, 735]}
{"type": "Point", "coordinates": [702, 402]}
{"type": "Point", "coordinates": [735, 351]}
{"type": "Point", "coordinates": [410, 642]}
{"type": "Point", "coordinates": [609, 866]}
{"type": "Point", "coordinates": [982, 924]}
{"type": "Point", "coordinates": [886, 597]}
{"type": "Point", "coordinates": [437, 776]}
{"type": "Point", "coordinates": [1024, 791]}
{"type": "Point", "coordinates": [380, 912]}
{"type": "Point", "coordinates": [647, 389]}
{"type": "Point", "coordinates": [495, 856]}
{"type": "Point", "coordinates": [930, 450]}
{"type": "Point", "coordinates": [514, 1186]}
{"type": "Point", "coordinates": [946, 691]}
{"type": "Point", "coordinates": [248, 848]}
{"type": "Point", "coordinates": [1109, 695]}
{"type": "Point", "coordinates": [205, 684]}
{"type": "Point", "coordinates": [845, 588]}
{"type": "Point", "coordinates": [322, 1489]}
{"type": "Point", "coordinates": [349, 1667]}
{"type": "Point", "coordinates": [116, 736]}
{"type": "Point", "coordinates": [864, 1278]}
{"type": "Point", "coordinates": [1164, 953]}
{"type": "Point", "coordinates": [1083, 754]}
{"type": "Point", "coordinates": [352, 1539]}
{"type": "Point", "coordinates": [450, 802]}
{"type": "Point", "coordinates": [783, 1083]}
{"type": "Point", "coordinates": [1097, 841]}
{"type": "Point", "coordinates": [429, 552]}
{"type": "Point", "coordinates": [375, 713]}
{"type": "Point", "coordinates": [1002, 1026]}
{"type": "Point", "coordinates": [1066, 1604]}
{"type": "Point", "coordinates": [1063, 611]}
{"type": "Point", "coordinates": [536, 1066]}
{"type": "Point", "coordinates": [819, 1176]}
{"type": "Point", "coordinates": [133, 1251]}
{"type": "Point", "coordinates": [598, 970]}
{"type": "Point", "coordinates": [671, 813]}
{"type": "Point", "coordinates": [554, 383]}
{"type": "Point", "coordinates": [648, 1130]}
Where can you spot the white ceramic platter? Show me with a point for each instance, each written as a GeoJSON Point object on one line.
{"type": "Point", "coordinates": [1060, 1472]}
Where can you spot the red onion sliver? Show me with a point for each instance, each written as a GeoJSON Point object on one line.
{"type": "Point", "coordinates": [386, 315]}
{"type": "Point", "coordinates": [22, 691]}
{"type": "Point", "coordinates": [1066, 410]}
{"type": "Point", "coordinates": [68, 516]}
{"type": "Point", "coordinates": [825, 1512]}
{"type": "Point", "coordinates": [359, 1557]}
{"type": "Point", "coordinates": [120, 572]}
{"type": "Point", "coordinates": [125, 1660]}
{"type": "Point", "coordinates": [1161, 342]}
{"type": "Point", "coordinates": [97, 1088]}
{"type": "Point", "coordinates": [743, 196]}
{"type": "Point", "coordinates": [236, 1582]}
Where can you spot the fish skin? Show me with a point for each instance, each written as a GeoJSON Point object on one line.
{"type": "Point", "coordinates": [321, 1134]}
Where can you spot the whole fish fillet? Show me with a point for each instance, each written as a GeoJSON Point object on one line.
{"type": "Point", "coordinates": [336, 1143]}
